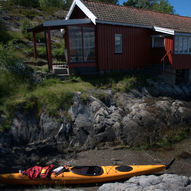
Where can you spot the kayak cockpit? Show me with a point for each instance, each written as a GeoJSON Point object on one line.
{"type": "Point", "coordinates": [87, 170]}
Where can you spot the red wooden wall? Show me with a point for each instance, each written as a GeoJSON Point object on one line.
{"type": "Point", "coordinates": [181, 61]}
{"type": "Point", "coordinates": [137, 51]}
{"type": "Point", "coordinates": [77, 14]}
{"type": "Point", "coordinates": [136, 47]}
{"type": "Point", "coordinates": [177, 61]}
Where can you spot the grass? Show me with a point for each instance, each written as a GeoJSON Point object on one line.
{"type": "Point", "coordinates": [51, 94]}
{"type": "Point", "coordinates": [171, 136]}
{"type": "Point", "coordinates": [122, 82]}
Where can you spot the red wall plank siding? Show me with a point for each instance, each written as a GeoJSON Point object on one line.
{"type": "Point", "coordinates": [136, 46]}
{"type": "Point", "coordinates": [178, 61]}
{"type": "Point", "coordinates": [77, 14]}
{"type": "Point", "coordinates": [181, 61]}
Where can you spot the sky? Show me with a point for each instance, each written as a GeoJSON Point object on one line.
{"type": "Point", "coordinates": [182, 7]}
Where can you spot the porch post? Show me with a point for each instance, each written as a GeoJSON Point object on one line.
{"type": "Point", "coordinates": [49, 51]}
{"type": "Point", "coordinates": [34, 44]}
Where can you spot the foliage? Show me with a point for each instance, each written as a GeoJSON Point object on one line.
{"type": "Point", "coordinates": [4, 36]}
{"type": "Point", "coordinates": [48, 4]}
{"type": "Point", "coordinates": [172, 136]}
{"type": "Point", "coordinates": [118, 81]}
{"type": "Point", "coordinates": [157, 5]}
{"type": "Point", "coordinates": [108, 1]}
{"type": "Point", "coordinates": [59, 51]}
{"type": "Point", "coordinates": [41, 51]}
{"type": "Point", "coordinates": [11, 64]}
{"type": "Point", "coordinates": [51, 3]}
{"type": "Point", "coordinates": [28, 3]}
{"type": "Point", "coordinates": [26, 24]}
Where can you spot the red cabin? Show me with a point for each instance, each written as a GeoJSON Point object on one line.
{"type": "Point", "coordinates": [105, 37]}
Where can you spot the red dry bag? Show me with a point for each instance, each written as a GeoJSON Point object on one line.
{"type": "Point", "coordinates": [33, 172]}
{"type": "Point", "coordinates": [45, 172]}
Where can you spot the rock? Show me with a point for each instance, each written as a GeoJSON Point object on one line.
{"type": "Point", "coordinates": [24, 128]}
{"type": "Point", "coordinates": [49, 127]}
{"type": "Point", "coordinates": [54, 189]}
{"type": "Point", "coordinates": [170, 182]}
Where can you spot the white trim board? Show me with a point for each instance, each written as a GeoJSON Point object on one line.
{"type": "Point", "coordinates": [163, 30]}
{"type": "Point", "coordinates": [84, 9]}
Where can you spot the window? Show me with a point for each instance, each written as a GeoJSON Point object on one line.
{"type": "Point", "coordinates": [118, 43]}
{"type": "Point", "coordinates": [75, 41]}
{"type": "Point", "coordinates": [182, 45]}
{"type": "Point", "coordinates": [82, 44]}
{"type": "Point", "coordinates": [157, 42]}
{"type": "Point", "coordinates": [185, 45]}
{"type": "Point", "coordinates": [89, 44]}
{"type": "Point", "coordinates": [189, 45]}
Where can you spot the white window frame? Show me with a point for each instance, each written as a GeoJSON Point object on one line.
{"type": "Point", "coordinates": [179, 44]}
{"type": "Point", "coordinates": [153, 41]}
{"type": "Point", "coordinates": [120, 43]}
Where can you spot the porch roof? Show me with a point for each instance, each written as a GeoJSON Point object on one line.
{"type": "Point", "coordinates": [58, 24]}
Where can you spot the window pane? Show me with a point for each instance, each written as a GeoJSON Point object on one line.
{"type": "Point", "coordinates": [185, 45]}
{"type": "Point", "coordinates": [180, 45]}
{"type": "Point", "coordinates": [158, 42]}
{"type": "Point", "coordinates": [75, 41]}
{"type": "Point", "coordinates": [118, 43]}
{"type": "Point", "coordinates": [89, 44]}
{"type": "Point", "coordinates": [176, 44]}
{"type": "Point", "coordinates": [189, 45]}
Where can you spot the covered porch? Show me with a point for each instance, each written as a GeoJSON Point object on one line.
{"type": "Point", "coordinates": [79, 37]}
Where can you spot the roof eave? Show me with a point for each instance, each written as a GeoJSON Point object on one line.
{"type": "Point", "coordinates": [183, 34]}
{"type": "Point", "coordinates": [60, 23]}
{"type": "Point", "coordinates": [122, 24]}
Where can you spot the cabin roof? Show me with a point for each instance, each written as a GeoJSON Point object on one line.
{"type": "Point", "coordinates": [134, 16]}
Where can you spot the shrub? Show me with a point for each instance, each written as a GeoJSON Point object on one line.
{"type": "Point", "coordinates": [4, 36]}
{"type": "Point", "coordinates": [9, 63]}
{"type": "Point", "coordinates": [28, 3]}
{"type": "Point", "coordinates": [51, 3]}
{"type": "Point", "coordinates": [25, 24]}
{"type": "Point", "coordinates": [41, 51]}
{"type": "Point", "coordinates": [59, 52]}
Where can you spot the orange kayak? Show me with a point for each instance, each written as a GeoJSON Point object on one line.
{"type": "Point", "coordinates": [84, 175]}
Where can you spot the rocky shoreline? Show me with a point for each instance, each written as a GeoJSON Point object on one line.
{"type": "Point", "coordinates": [164, 182]}
{"type": "Point", "coordinates": [100, 119]}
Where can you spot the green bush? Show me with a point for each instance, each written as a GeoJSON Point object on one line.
{"type": "Point", "coordinates": [28, 3]}
{"type": "Point", "coordinates": [41, 52]}
{"type": "Point", "coordinates": [51, 3]}
{"type": "Point", "coordinates": [40, 37]}
{"type": "Point", "coordinates": [30, 13]}
{"type": "Point", "coordinates": [11, 64]}
{"type": "Point", "coordinates": [26, 24]}
{"type": "Point", "coordinates": [4, 35]}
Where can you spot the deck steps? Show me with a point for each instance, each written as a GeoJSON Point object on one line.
{"type": "Point", "coordinates": [61, 71]}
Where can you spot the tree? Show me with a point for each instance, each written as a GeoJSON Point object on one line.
{"type": "Point", "coordinates": [51, 3]}
{"type": "Point", "coordinates": [157, 5]}
{"type": "Point", "coordinates": [108, 1]}
{"type": "Point", "coordinates": [25, 3]}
